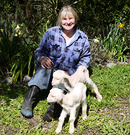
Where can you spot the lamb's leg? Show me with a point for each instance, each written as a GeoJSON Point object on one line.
{"type": "Point", "coordinates": [95, 89]}
{"type": "Point", "coordinates": [72, 119]}
{"type": "Point", "coordinates": [77, 111]}
{"type": "Point", "coordinates": [84, 110]}
{"type": "Point", "coordinates": [61, 121]}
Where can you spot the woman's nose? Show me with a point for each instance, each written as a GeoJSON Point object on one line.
{"type": "Point", "coordinates": [68, 21]}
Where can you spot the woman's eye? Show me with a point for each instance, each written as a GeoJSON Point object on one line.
{"type": "Point", "coordinates": [64, 18]}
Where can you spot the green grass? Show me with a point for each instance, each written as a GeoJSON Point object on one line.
{"type": "Point", "coordinates": [108, 117]}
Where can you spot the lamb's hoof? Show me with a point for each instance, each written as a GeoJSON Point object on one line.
{"type": "Point", "coordinates": [71, 131]}
{"type": "Point", "coordinates": [58, 130]}
{"type": "Point", "coordinates": [99, 97]}
{"type": "Point", "coordinates": [85, 117]}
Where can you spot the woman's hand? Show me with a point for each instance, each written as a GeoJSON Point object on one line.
{"type": "Point", "coordinates": [46, 62]}
{"type": "Point", "coordinates": [68, 73]}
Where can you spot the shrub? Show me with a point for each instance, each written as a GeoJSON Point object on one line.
{"type": "Point", "coordinates": [112, 45]}
{"type": "Point", "coordinates": [16, 50]}
{"type": "Point", "coordinates": [115, 42]}
{"type": "Point", "coordinates": [99, 55]}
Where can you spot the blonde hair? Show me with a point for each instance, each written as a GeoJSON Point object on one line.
{"type": "Point", "coordinates": [66, 10]}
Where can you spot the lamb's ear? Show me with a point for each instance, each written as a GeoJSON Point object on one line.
{"type": "Point", "coordinates": [67, 82]}
{"type": "Point", "coordinates": [59, 98]}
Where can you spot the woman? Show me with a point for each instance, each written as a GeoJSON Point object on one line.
{"type": "Point", "coordinates": [62, 47]}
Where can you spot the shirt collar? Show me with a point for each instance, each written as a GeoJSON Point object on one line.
{"type": "Point", "coordinates": [77, 33]}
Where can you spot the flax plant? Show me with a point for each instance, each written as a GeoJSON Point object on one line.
{"type": "Point", "coordinates": [115, 42]}
{"type": "Point", "coordinates": [16, 50]}
{"type": "Point", "coordinates": [10, 42]}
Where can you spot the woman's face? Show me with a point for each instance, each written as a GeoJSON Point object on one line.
{"type": "Point", "coordinates": [68, 22]}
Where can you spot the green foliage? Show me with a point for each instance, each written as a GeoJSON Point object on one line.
{"type": "Point", "coordinates": [111, 44]}
{"type": "Point", "coordinates": [16, 51]}
{"type": "Point", "coordinates": [115, 42]}
{"type": "Point", "coordinates": [9, 43]}
{"type": "Point", "coordinates": [36, 16]}
{"type": "Point", "coordinates": [7, 7]}
{"type": "Point", "coordinates": [99, 55]}
{"type": "Point", "coordinates": [94, 14]}
{"type": "Point", "coordinates": [110, 116]}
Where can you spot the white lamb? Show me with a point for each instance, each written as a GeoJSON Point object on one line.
{"type": "Point", "coordinates": [60, 78]}
{"type": "Point", "coordinates": [71, 103]}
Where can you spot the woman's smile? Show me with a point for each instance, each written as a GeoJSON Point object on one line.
{"type": "Point", "coordinates": [68, 22]}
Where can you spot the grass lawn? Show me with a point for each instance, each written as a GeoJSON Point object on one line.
{"type": "Point", "coordinates": [111, 116]}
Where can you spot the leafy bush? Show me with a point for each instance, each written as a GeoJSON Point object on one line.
{"type": "Point", "coordinates": [99, 55]}
{"type": "Point", "coordinates": [34, 17]}
{"type": "Point", "coordinates": [94, 14]}
{"type": "Point", "coordinates": [112, 44]}
{"type": "Point", "coordinates": [16, 50]}
{"type": "Point", "coordinates": [115, 42]}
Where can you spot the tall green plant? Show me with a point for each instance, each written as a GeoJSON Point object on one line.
{"type": "Point", "coordinates": [23, 62]}
{"type": "Point", "coordinates": [16, 50]}
{"type": "Point", "coordinates": [115, 42]}
{"type": "Point", "coordinates": [10, 42]}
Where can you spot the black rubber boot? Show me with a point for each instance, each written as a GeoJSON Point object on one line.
{"type": "Point", "coordinates": [30, 99]}
{"type": "Point", "coordinates": [52, 112]}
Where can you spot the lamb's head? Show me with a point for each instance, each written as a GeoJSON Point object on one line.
{"type": "Point", "coordinates": [83, 70]}
{"type": "Point", "coordinates": [55, 95]}
{"type": "Point", "coordinates": [58, 78]}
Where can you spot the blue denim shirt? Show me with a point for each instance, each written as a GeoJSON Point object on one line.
{"type": "Point", "coordinates": [67, 58]}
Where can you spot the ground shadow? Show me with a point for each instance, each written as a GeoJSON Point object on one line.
{"type": "Point", "coordinates": [12, 91]}
{"type": "Point", "coordinates": [90, 71]}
